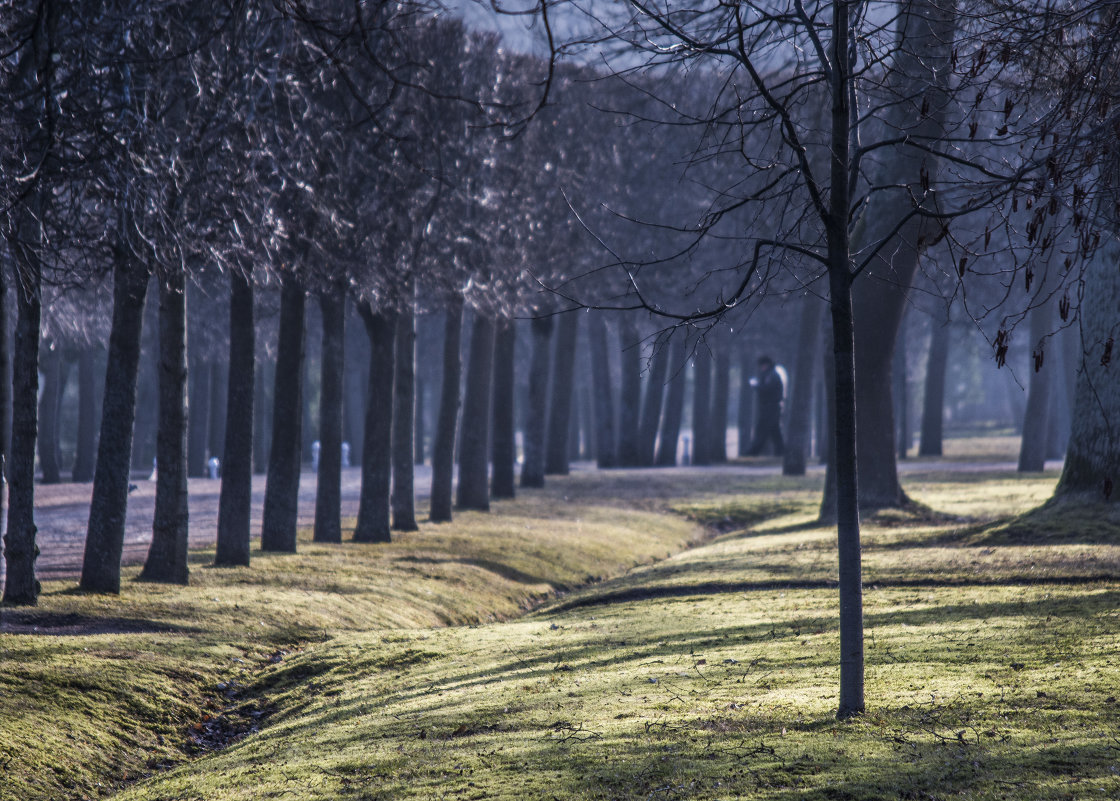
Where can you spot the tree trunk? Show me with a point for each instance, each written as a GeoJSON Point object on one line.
{"type": "Point", "coordinates": [721, 401]}
{"type": "Point", "coordinates": [281, 493]}
{"type": "Point", "coordinates": [474, 442]}
{"type": "Point", "coordinates": [796, 454]}
{"type": "Point", "coordinates": [605, 453]}
{"type": "Point", "coordinates": [1036, 418]}
{"type": "Point", "coordinates": [443, 447]}
{"type": "Point", "coordinates": [101, 563]}
{"type": "Point", "coordinates": [235, 499]}
{"type": "Point", "coordinates": [20, 547]}
{"type": "Point", "coordinates": [630, 392]}
{"type": "Point", "coordinates": [701, 404]}
{"type": "Point", "coordinates": [674, 403]}
{"type": "Point", "coordinates": [420, 426]}
{"type": "Point", "coordinates": [404, 407]}
{"type": "Point", "coordinates": [536, 412]}
{"type": "Point", "coordinates": [262, 418]}
{"type": "Point", "coordinates": [1092, 466]}
{"type": "Point", "coordinates": [504, 445]}
{"type": "Point", "coordinates": [199, 412]}
{"type": "Point", "coordinates": [86, 444]}
{"type": "Point", "coordinates": [357, 383]}
{"type": "Point", "coordinates": [933, 404]}
{"type": "Point", "coordinates": [745, 412]}
{"type": "Point", "coordinates": [373, 505]}
{"type": "Point", "coordinates": [332, 364]}
{"type": "Point", "coordinates": [651, 404]}
{"type": "Point", "coordinates": [563, 370]}
{"type": "Point", "coordinates": [51, 366]}
{"type": "Point", "coordinates": [167, 556]}
{"type": "Point", "coordinates": [899, 370]}
{"type": "Point", "coordinates": [216, 424]}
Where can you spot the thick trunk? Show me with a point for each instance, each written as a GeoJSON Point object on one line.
{"type": "Point", "coordinates": [721, 402]}
{"type": "Point", "coordinates": [167, 556]}
{"type": "Point", "coordinates": [404, 407]}
{"type": "Point", "coordinates": [199, 410]}
{"type": "Point", "coordinates": [51, 365]}
{"type": "Point", "coordinates": [1036, 418]}
{"type": "Point", "coordinates": [1092, 466]}
{"type": "Point", "coordinates": [630, 393]}
{"type": "Point", "coordinates": [101, 564]}
{"type": "Point", "coordinates": [281, 494]}
{"type": "Point", "coordinates": [373, 504]}
{"type": "Point", "coordinates": [536, 412]}
{"type": "Point", "coordinates": [474, 442]}
{"type": "Point", "coordinates": [504, 446]}
{"type": "Point", "coordinates": [605, 453]}
{"type": "Point", "coordinates": [560, 409]}
{"type": "Point", "coordinates": [332, 363]}
{"type": "Point", "coordinates": [235, 499]}
{"type": "Point", "coordinates": [745, 412]}
{"type": "Point", "coordinates": [933, 404]}
{"type": "Point", "coordinates": [443, 446]}
{"type": "Point", "coordinates": [20, 548]}
{"type": "Point", "coordinates": [701, 404]}
{"type": "Point", "coordinates": [796, 453]}
{"type": "Point", "coordinates": [674, 403]}
{"type": "Point", "coordinates": [86, 445]}
{"type": "Point", "coordinates": [651, 404]}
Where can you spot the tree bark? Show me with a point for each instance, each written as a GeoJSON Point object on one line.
{"type": "Point", "coordinates": [199, 411]}
{"type": "Point", "coordinates": [474, 443]}
{"type": "Point", "coordinates": [721, 401]}
{"type": "Point", "coordinates": [701, 404]}
{"type": "Point", "coordinates": [560, 410]}
{"type": "Point", "coordinates": [51, 365]}
{"type": "Point", "coordinates": [674, 403]}
{"type": "Point", "coordinates": [404, 407]}
{"type": "Point", "coordinates": [20, 547]}
{"type": "Point", "coordinates": [796, 453]}
{"type": "Point", "coordinates": [630, 393]}
{"type": "Point", "coordinates": [606, 455]}
{"type": "Point", "coordinates": [167, 556]}
{"type": "Point", "coordinates": [281, 493]}
{"type": "Point", "coordinates": [536, 413]}
{"type": "Point", "coordinates": [651, 404]}
{"type": "Point", "coordinates": [235, 498]}
{"type": "Point", "coordinates": [332, 364]}
{"type": "Point", "coordinates": [1036, 419]}
{"type": "Point", "coordinates": [504, 445]}
{"type": "Point", "coordinates": [86, 444]}
{"type": "Point", "coordinates": [373, 505]}
{"type": "Point", "coordinates": [933, 404]}
{"type": "Point", "coordinates": [101, 563]}
{"type": "Point", "coordinates": [443, 446]}
{"type": "Point", "coordinates": [357, 383]}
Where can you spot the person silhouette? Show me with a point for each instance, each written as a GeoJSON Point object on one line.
{"type": "Point", "coordinates": [768, 420]}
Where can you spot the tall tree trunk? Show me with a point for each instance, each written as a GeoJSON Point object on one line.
{"type": "Point", "coordinates": [404, 406]}
{"type": "Point", "coordinates": [167, 556]}
{"type": "Point", "coordinates": [198, 439]}
{"type": "Point", "coordinates": [51, 366]}
{"type": "Point", "coordinates": [901, 395]}
{"type": "Point", "coordinates": [721, 401]}
{"type": "Point", "coordinates": [701, 404]}
{"type": "Point", "coordinates": [235, 498]}
{"type": "Point", "coordinates": [1036, 420]}
{"type": "Point", "coordinates": [281, 493]}
{"type": "Point", "coordinates": [474, 443]}
{"type": "Point", "coordinates": [1092, 466]}
{"type": "Point", "coordinates": [796, 453]}
{"type": "Point", "coordinates": [373, 505]}
{"type": "Point", "coordinates": [357, 383]}
{"type": "Point", "coordinates": [443, 446]}
{"type": "Point", "coordinates": [86, 445]}
{"type": "Point", "coordinates": [20, 548]}
{"type": "Point", "coordinates": [504, 445]}
{"type": "Point", "coordinates": [101, 563]}
{"type": "Point", "coordinates": [630, 392]}
{"type": "Point", "coordinates": [745, 413]}
{"type": "Point", "coordinates": [262, 417]}
{"type": "Point", "coordinates": [560, 409]}
{"type": "Point", "coordinates": [536, 412]}
{"type": "Point", "coordinates": [651, 404]}
{"type": "Point", "coordinates": [606, 454]}
{"type": "Point", "coordinates": [588, 446]}
{"type": "Point", "coordinates": [674, 403]}
{"type": "Point", "coordinates": [332, 364]}
{"type": "Point", "coordinates": [308, 431]}
{"type": "Point", "coordinates": [420, 424]}
{"type": "Point", "coordinates": [933, 404]}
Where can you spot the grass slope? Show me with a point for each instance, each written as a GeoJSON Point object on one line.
{"type": "Point", "coordinates": [96, 691]}
{"type": "Point", "coordinates": [992, 674]}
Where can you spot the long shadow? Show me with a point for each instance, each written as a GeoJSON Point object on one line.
{"type": "Point", "coordinates": [58, 624]}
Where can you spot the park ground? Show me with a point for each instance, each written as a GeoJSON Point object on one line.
{"type": "Point", "coordinates": [631, 635]}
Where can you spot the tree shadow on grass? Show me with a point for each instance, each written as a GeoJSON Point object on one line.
{"type": "Point", "coordinates": [57, 624]}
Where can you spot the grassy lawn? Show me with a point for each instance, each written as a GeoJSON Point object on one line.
{"type": "Point", "coordinates": [992, 659]}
